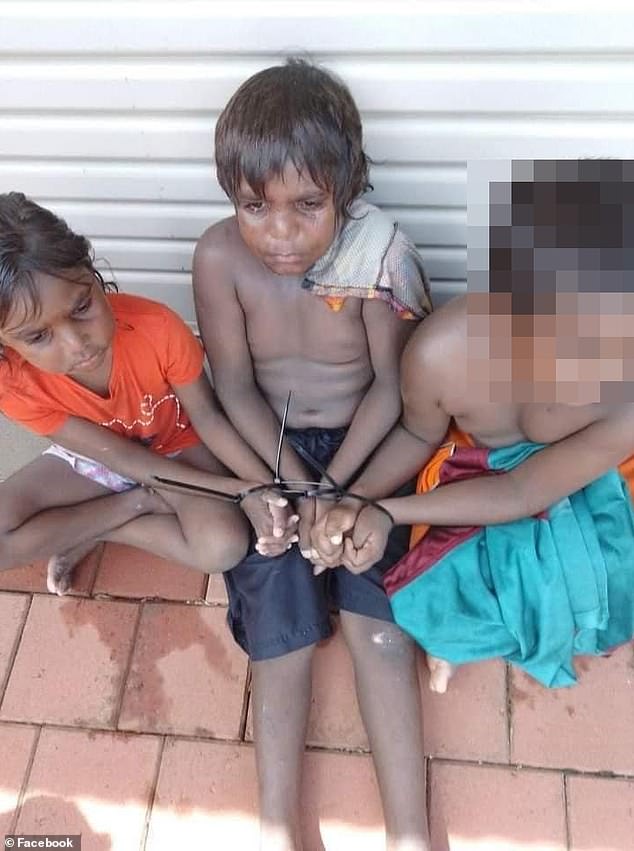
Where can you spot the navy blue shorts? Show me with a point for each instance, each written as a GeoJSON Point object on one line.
{"type": "Point", "coordinates": [277, 605]}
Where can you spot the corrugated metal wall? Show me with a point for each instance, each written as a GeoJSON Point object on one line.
{"type": "Point", "coordinates": [107, 109]}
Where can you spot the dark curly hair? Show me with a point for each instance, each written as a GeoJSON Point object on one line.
{"type": "Point", "coordinates": [295, 113]}
{"type": "Point", "coordinates": [33, 239]}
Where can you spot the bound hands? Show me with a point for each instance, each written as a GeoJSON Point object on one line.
{"type": "Point", "coordinates": [350, 534]}
{"type": "Point", "coordinates": [272, 518]}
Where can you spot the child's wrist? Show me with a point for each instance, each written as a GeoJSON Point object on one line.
{"type": "Point", "coordinates": [386, 506]}
{"type": "Point", "coordinates": [245, 489]}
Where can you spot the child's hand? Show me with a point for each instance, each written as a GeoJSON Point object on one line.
{"type": "Point", "coordinates": [367, 543]}
{"type": "Point", "coordinates": [306, 510]}
{"type": "Point", "coordinates": [274, 545]}
{"type": "Point", "coordinates": [327, 534]}
{"type": "Point", "coordinates": [269, 514]}
{"type": "Point", "coordinates": [311, 511]}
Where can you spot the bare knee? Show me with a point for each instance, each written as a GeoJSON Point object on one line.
{"type": "Point", "coordinates": [9, 522]}
{"type": "Point", "coordinates": [221, 547]}
{"type": "Point", "coordinates": [376, 638]}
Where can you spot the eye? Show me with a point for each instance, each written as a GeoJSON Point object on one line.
{"type": "Point", "coordinates": [253, 206]}
{"type": "Point", "coordinates": [83, 307]}
{"type": "Point", "coordinates": [39, 337]}
{"type": "Point", "coordinates": [309, 205]}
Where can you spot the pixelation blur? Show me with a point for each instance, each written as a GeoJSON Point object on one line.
{"type": "Point", "coordinates": [550, 280]}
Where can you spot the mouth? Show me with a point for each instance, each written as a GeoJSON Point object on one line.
{"type": "Point", "coordinates": [286, 258]}
{"type": "Point", "coordinates": [87, 363]}
{"type": "Point", "coordinates": [286, 262]}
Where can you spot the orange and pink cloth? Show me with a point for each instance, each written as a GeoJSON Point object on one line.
{"type": "Point", "coordinates": [537, 591]}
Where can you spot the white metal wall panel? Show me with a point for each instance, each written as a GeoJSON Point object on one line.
{"type": "Point", "coordinates": [107, 110]}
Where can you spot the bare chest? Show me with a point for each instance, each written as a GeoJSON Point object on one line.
{"type": "Point", "coordinates": [285, 321]}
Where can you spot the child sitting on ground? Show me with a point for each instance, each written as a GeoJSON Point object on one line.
{"type": "Point", "coordinates": [117, 383]}
{"type": "Point", "coordinates": [552, 574]}
{"type": "Point", "coordinates": [305, 289]}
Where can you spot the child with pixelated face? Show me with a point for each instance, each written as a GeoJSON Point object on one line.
{"type": "Point", "coordinates": [538, 352]}
{"type": "Point", "coordinates": [289, 155]}
{"type": "Point", "coordinates": [70, 370]}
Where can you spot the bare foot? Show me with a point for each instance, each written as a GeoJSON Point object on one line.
{"type": "Point", "coordinates": [440, 672]}
{"type": "Point", "coordinates": [60, 568]}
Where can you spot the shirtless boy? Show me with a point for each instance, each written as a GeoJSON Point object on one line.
{"type": "Point", "coordinates": [306, 289]}
{"type": "Point", "coordinates": [564, 581]}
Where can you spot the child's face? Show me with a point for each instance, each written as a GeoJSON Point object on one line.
{"type": "Point", "coordinates": [292, 226]}
{"type": "Point", "coordinates": [578, 351]}
{"type": "Point", "coordinates": [73, 331]}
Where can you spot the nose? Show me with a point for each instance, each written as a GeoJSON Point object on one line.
{"type": "Point", "coordinates": [281, 228]}
{"type": "Point", "coordinates": [73, 339]}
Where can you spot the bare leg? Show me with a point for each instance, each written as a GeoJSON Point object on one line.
{"type": "Point", "coordinates": [281, 692]}
{"type": "Point", "coordinates": [199, 534]}
{"type": "Point", "coordinates": [440, 672]}
{"type": "Point", "coordinates": [389, 697]}
{"type": "Point", "coordinates": [207, 534]}
{"type": "Point", "coordinates": [69, 518]}
{"type": "Point", "coordinates": [38, 518]}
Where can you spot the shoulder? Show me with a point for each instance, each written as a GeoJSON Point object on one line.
{"type": "Point", "coordinates": [220, 242]}
{"type": "Point", "coordinates": [434, 358]}
{"type": "Point", "coordinates": [441, 337]}
{"type": "Point", "coordinates": [153, 319]}
{"type": "Point", "coordinates": [128, 307]}
{"type": "Point", "coordinates": [221, 258]}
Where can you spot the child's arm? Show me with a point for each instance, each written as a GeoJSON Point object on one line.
{"type": "Point", "coordinates": [223, 330]}
{"type": "Point", "coordinates": [137, 462]}
{"type": "Point", "coordinates": [407, 448]}
{"type": "Point", "coordinates": [379, 409]}
{"type": "Point", "coordinates": [217, 433]}
{"type": "Point", "coordinates": [542, 480]}
{"type": "Point", "coordinates": [274, 525]}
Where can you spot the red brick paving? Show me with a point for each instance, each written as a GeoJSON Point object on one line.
{"type": "Point", "coordinates": [482, 806]}
{"type": "Point", "coordinates": [16, 749]}
{"type": "Point", "coordinates": [589, 727]}
{"type": "Point", "coordinates": [71, 662]}
{"type": "Point", "coordinates": [168, 681]}
{"type": "Point", "coordinates": [95, 783]}
{"type": "Point", "coordinates": [187, 675]}
{"type": "Point", "coordinates": [601, 813]}
{"type": "Point", "coordinates": [481, 733]}
{"type": "Point", "coordinates": [128, 572]}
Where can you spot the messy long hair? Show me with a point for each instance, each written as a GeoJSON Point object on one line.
{"type": "Point", "coordinates": [34, 240]}
{"type": "Point", "coordinates": [297, 113]}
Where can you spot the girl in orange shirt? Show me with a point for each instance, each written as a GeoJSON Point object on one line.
{"type": "Point", "coordinates": [117, 383]}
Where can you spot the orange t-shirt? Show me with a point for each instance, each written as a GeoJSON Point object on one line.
{"type": "Point", "coordinates": [153, 350]}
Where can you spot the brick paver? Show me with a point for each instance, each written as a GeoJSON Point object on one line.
{"type": "Point", "coordinates": [16, 747]}
{"type": "Point", "coordinates": [497, 809]}
{"type": "Point", "coordinates": [13, 609]}
{"type": "Point", "coordinates": [128, 572]}
{"type": "Point", "coordinates": [482, 731]}
{"type": "Point", "coordinates": [171, 667]}
{"type": "Point", "coordinates": [71, 661]}
{"type": "Point", "coordinates": [601, 814]}
{"type": "Point", "coordinates": [589, 726]}
{"type": "Point", "coordinates": [187, 675]}
{"type": "Point", "coordinates": [96, 784]}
